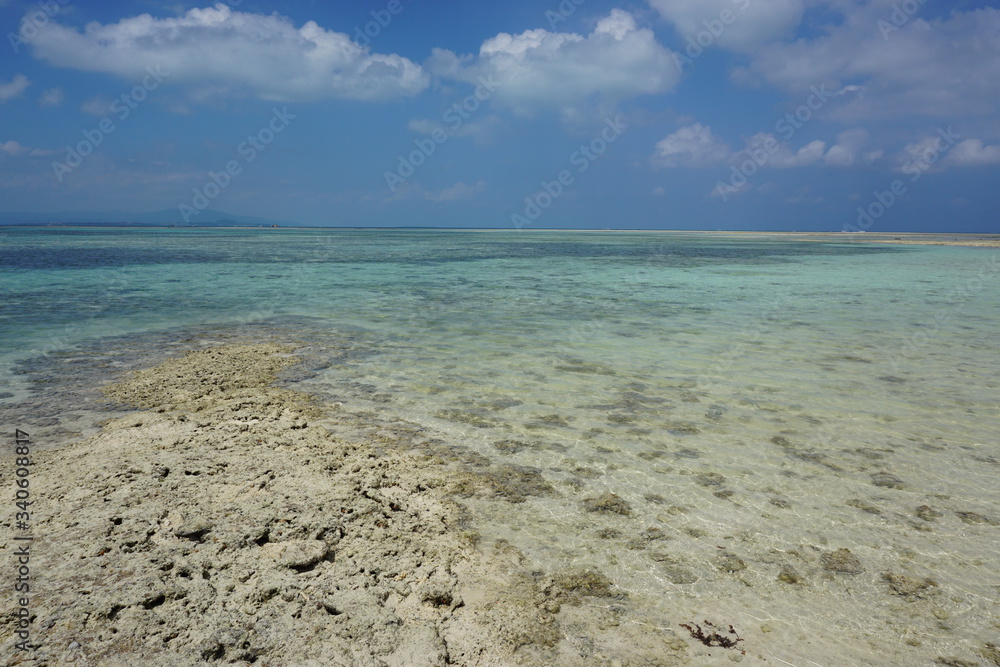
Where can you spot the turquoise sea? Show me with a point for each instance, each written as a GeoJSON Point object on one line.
{"type": "Point", "coordinates": [759, 403]}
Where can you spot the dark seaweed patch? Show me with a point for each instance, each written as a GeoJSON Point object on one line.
{"type": "Point", "coordinates": [713, 636]}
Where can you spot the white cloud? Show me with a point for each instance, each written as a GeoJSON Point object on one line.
{"type": "Point", "coordinates": [52, 97]}
{"type": "Point", "coordinates": [696, 146]}
{"type": "Point", "coordinates": [15, 149]}
{"type": "Point", "coordinates": [538, 69]}
{"type": "Point", "coordinates": [747, 24]}
{"type": "Point", "coordinates": [937, 67]}
{"type": "Point", "coordinates": [766, 150]}
{"type": "Point", "coordinates": [808, 154]}
{"type": "Point", "coordinates": [97, 106]}
{"type": "Point", "coordinates": [458, 191]}
{"type": "Point", "coordinates": [973, 153]}
{"type": "Point", "coordinates": [481, 131]}
{"type": "Point", "coordinates": [691, 146]}
{"type": "Point", "coordinates": [15, 88]}
{"type": "Point", "coordinates": [850, 148]}
{"type": "Point", "coordinates": [226, 52]}
{"type": "Point", "coordinates": [924, 155]}
{"type": "Point", "coordinates": [423, 125]}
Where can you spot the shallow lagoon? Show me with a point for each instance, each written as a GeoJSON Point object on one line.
{"type": "Point", "coordinates": [800, 438]}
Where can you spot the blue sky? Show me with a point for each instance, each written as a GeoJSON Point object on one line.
{"type": "Point", "coordinates": [667, 114]}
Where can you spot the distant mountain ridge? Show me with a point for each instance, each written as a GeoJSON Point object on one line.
{"type": "Point", "coordinates": [170, 216]}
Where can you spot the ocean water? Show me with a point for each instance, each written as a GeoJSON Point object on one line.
{"type": "Point", "coordinates": [756, 404]}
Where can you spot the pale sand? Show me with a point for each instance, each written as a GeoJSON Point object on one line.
{"type": "Point", "coordinates": [968, 240]}
{"type": "Point", "coordinates": [905, 238]}
{"type": "Point", "coordinates": [233, 522]}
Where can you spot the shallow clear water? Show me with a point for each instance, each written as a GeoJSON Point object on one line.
{"type": "Point", "coordinates": [757, 402]}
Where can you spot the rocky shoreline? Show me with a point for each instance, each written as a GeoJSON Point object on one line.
{"type": "Point", "coordinates": [231, 521]}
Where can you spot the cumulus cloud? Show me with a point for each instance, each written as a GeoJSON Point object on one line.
{"type": "Point", "coordinates": [932, 153]}
{"type": "Point", "coordinates": [937, 67]}
{"type": "Point", "coordinates": [853, 146]}
{"type": "Point", "coordinates": [15, 149]}
{"type": "Point", "coordinates": [691, 146]}
{"type": "Point", "coordinates": [52, 97]}
{"type": "Point", "coordinates": [766, 150]}
{"type": "Point", "coordinates": [539, 69]}
{"type": "Point", "coordinates": [696, 146]}
{"type": "Point", "coordinates": [849, 144]}
{"type": "Point", "coordinates": [740, 25]}
{"type": "Point", "coordinates": [809, 154]}
{"type": "Point", "coordinates": [97, 106]}
{"type": "Point", "coordinates": [226, 52]}
{"type": "Point", "coordinates": [935, 153]}
{"type": "Point", "coordinates": [973, 153]}
{"type": "Point", "coordinates": [14, 88]}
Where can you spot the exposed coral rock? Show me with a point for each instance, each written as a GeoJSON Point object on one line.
{"type": "Point", "coordinates": [226, 524]}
